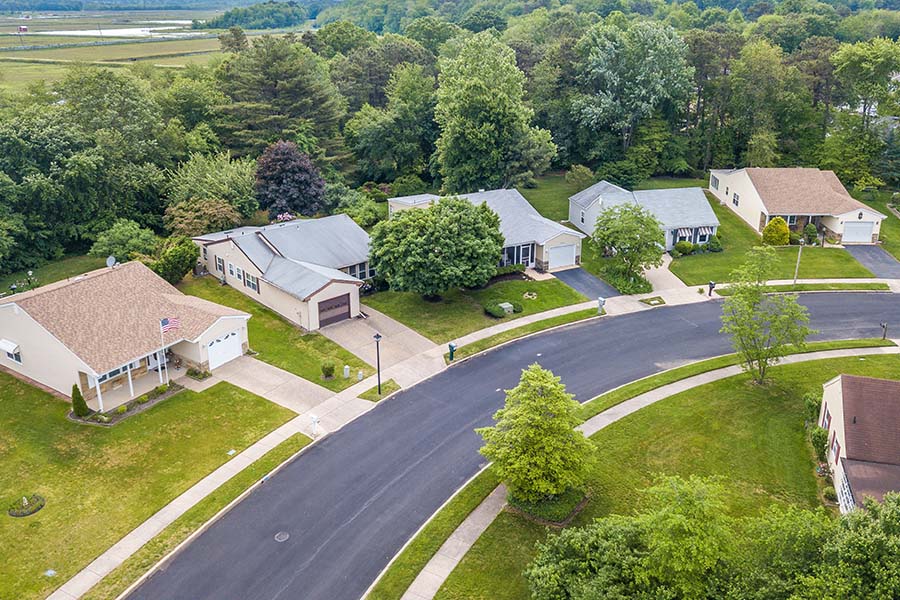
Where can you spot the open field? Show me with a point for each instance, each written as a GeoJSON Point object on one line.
{"type": "Point", "coordinates": [100, 483]}
{"type": "Point", "coordinates": [119, 52]}
{"type": "Point", "coordinates": [45, 21]}
{"type": "Point", "coordinates": [8, 41]}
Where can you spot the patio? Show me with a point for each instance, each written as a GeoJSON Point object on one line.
{"type": "Point", "coordinates": [120, 394]}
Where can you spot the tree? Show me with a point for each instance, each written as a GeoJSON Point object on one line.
{"type": "Point", "coordinates": [481, 18]}
{"type": "Point", "coordinates": [431, 32]}
{"type": "Point", "coordinates": [173, 259]}
{"type": "Point", "coordinates": [428, 251]}
{"type": "Point", "coordinates": [763, 327]}
{"type": "Point", "coordinates": [79, 406]}
{"type": "Point", "coordinates": [342, 37]}
{"type": "Point", "coordinates": [486, 139]}
{"type": "Point", "coordinates": [627, 74]}
{"type": "Point", "coordinates": [776, 233]}
{"type": "Point", "coordinates": [850, 150]}
{"type": "Point", "coordinates": [191, 218]}
{"type": "Point", "coordinates": [287, 181]}
{"type": "Point", "coordinates": [214, 177]}
{"type": "Point", "coordinates": [233, 40]}
{"type": "Point", "coordinates": [124, 240]}
{"type": "Point", "coordinates": [633, 237]}
{"type": "Point", "coordinates": [579, 176]}
{"type": "Point", "coordinates": [535, 448]}
{"type": "Point", "coordinates": [865, 69]}
{"type": "Point", "coordinates": [762, 150]}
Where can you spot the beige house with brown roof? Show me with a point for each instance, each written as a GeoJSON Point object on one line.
{"type": "Point", "coordinates": [102, 331]}
{"type": "Point", "coordinates": [800, 196]}
{"type": "Point", "coordinates": [862, 416]}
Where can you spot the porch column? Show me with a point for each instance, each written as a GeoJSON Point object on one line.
{"type": "Point", "coordinates": [130, 384]}
{"type": "Point", "coordinates": [99, 396]}
{"type": "Point", "coordinates": [159, 367]}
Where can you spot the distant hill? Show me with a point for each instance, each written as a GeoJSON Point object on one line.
{"type": "Point", "coordinates": [79, 5]}
{"type": "Point", "coordinates": [267, 15]}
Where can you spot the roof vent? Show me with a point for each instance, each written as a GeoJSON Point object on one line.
{"type": "Point", "coordinates": [228, 232]}
{"type": "Point", "coordinates": [480, 190]}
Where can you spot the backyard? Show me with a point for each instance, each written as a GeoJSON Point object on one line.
{"type": "Point", "coordinates": [461, 311]}
{"type": "Point", "coordinates": [278, 342]}
{"type": "Point", "coordinates": [753, 437]}
{"type": "Point", "coordinates": [890, 227]}
{"type": "Point", "coordinates": [68, 266]}
{"type": "Point", "coordinates": [100, 483]}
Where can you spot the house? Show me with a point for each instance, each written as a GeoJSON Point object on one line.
{"type": "Point", "coordinates": [684, 213]}
{"type": "Point", "coordinates": [102, 331]}
{"type": "Point", "coordinates": [528, 238]}
{"type": "Point", "coordinates": [862, 416]}
{"type": "Point", "coordinates": [800, 196]}
{"type": "Point", "coordinates": [308, 270]}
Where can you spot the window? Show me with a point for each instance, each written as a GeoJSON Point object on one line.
{"type": "Point", "coordinates": [826, 418]}
{"type": "Point", "coordinates": [352, 270]}
{"type": "Point", "coordinates": [714, 182]}
{"type": "Point", "coordinates": [736, 200]}
{"type": "Point", "coordinates": [220, 265]}
{"type": "Point", "coordinates": [371, 271]}
{"type": "Point", "coordinates": [204, 253]}
{"type": "Point", "coordinates": [582, 216]}
{"type": "Point", "coordinates": [726, 191]}
{"type": "Point", "coordinates": [240, 273]}
{"type": "Point", "coordinates": [791, 219]}
{"type": "Point", "coordinates": [835, 449]}
{"type": "Point", "coordinates": [231, 269]}
{"type": "Point", "coordinates": [252, 282]}
{"type": "Point", "coordinates": [15, 356]}
{"type": "Point", "coordinates": [702, 238]}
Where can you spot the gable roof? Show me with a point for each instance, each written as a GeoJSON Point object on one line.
{"type": "Point", "coordinates": [673, 207]}
{"type": "Point", "coordinates": [871, 418]}
{"type": "Point", "coordinates": [111, 316]}
{"type": "Point", "coordinates": [303, 279]}
{"type": "Point", "coordinates": [587, 197]}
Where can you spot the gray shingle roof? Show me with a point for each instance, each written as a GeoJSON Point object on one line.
{"type": "Point", "coordinates": [520, 222]}
{"type": "Point", "coordinates": [415, 199]}
{"type": "Point", "coordinates": [586, 197]}
{"type": "Point", "coordinates": [303, 279]}
{"type": "Point", "coordinates": [679, 207]}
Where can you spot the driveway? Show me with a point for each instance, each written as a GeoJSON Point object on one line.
{"type": "Point", "coordinates": [398, 341]}
{"type": "Point", "coordinates": [589, 285]}
{"type": "Point", "coordinates": [273, 384]}
{"type": "Point", "coordinates": [352, 500]}
{"type": "Point", "coordinates": [876, 259]}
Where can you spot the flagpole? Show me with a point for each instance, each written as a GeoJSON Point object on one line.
{"type": "Point", "coordinates": [162, 343]}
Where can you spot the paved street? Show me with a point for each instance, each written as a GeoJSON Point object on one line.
{"type": "Point", "coordinates": [351, 501]}
{"type": "Point", "coordinates": [876, 259]}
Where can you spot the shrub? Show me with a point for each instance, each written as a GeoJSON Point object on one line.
{"type": "Point", "coordinates": [580, 176]}
{"type": "Point", "coordinates": [829, 493]}
{"type": "Point", "coordinates": [509, 269]}
{"type": "Point", "coordinates": [407, 185]}
{"type": "Point", "coordinates": [328, 369]}
{"type": "Point", "coordinates": [714, 244]}
{"type": "Point", "coordinates": [811, 233]}
{"type": "Point", "coordinates": [79, 406]}
{"type": "Point", "coordinates": [795, 238]}
{"type": "Point", "coordinates": [811, 404]}
{"type": "Point", "coordinates": [684, 248]}
{"type": "Point", "coordinates": [776, 233]}
{"type": "Point", "coordinates": [819, 439]}
{"type": "Point", "coordinates": [494, 310]}
{"type": "Point", "coordinates": [122, 409]}
{"type": "Point", "coordinates": [517, 307]}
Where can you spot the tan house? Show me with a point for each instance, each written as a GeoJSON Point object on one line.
{"type": "Point", "coordinates": [102, 331]}
{"type": "Point", "coordinates": [862, 416]}
{"type": "Point", "coordinates": [529, 238]}
{"type": "Point", "coordinates": [800, 196]}
{"type": "Point", "coordinates": [308, 270]}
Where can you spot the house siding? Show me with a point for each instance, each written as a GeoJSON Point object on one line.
{"type": "Point", "coordinates": [750, 206]}
{"type": "Point", "coordinates": [542, 254]}
{"type": "Point", "coordinates": [590, 216]}
{"type": "Point", "coordinates": [832, 400]}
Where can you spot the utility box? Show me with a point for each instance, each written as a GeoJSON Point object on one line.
{"type": "Point", "coordinates": [507, 307]}
{"type": "Point", "coordinates": [346, 371]}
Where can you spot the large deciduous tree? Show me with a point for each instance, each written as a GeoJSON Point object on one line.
{"type": "Point", "coordinates": [632, 236]}
{"type": "Point", "coordinates": [173, 258]}
{"type": "Point", "coordinates": [214, 177]}
{"type": "Point", "coordinates": [866, 70]}
{"type": "Point", "coordinates": [196, 217]}
{"type": "Point", "coordinates": [452, 244]}
{"type": "Point", "coordinates": [288, 182]}
{"type": "Point", "coordinates": [486, 139]}
{"type": "Point", "coordinates": [124, 240]}
{"type": "Point", "coordinates": [535, 448]}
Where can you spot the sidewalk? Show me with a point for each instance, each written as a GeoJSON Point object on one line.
{"type": "Point", "coordinates": [438, 569]}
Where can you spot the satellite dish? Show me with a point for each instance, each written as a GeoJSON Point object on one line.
{"type": "Point", "coordinates": [110, 261]}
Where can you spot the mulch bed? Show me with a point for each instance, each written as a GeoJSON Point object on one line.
{"type": "Point", "coordinates": [557, 524]}
{"type": "Point", "coordinates": [134, 408]}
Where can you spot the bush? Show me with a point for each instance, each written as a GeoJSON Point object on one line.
{"type": "Point", "coordinates": [509, 270]}
{"type": "Point", "coordinates": [517, 307]}
{"type": "Point", "coordinates": [407, 185]}
{"type": "Point", "coordinates": [684, 248]}
{"type": "Point", "coordinates": [122, 409]}
{"type": "Point", "coordinates": [829, 493]}
{"type": "Point", "coordinates": [795, 238]}
{"type": "Point", "coordinates": [79, 406]}
{"type": "Point", "coordinates": [494, 310]}
{"type": "Point", "coordinates": [811, 233]}
{"type": "Point", "coordinates": [819, 439]}
{"type": "Point", "coordinates": [811, 404]}
{"type": "Point", "coordinates": [776, 233]}
{"type": "Point", "coordinates": [328, 369]}
{"type": "Point", "coordinates": [580, 176]}
{"type": "Point", "coordinates": [374, 191]}
{"type": "Point", "coordinates": [714, 244]}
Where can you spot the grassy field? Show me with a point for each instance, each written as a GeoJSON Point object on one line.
{"type": "Point", "coordinates": [751, 436]}
{"type": "Point", "coordinates": [818, 287]}
{"type": "Point", "coordinates": [68, 266]}
{"type": "Point", "coordinates": [119, 52]}
{"type": "Point", "coordinates": [8, 41]}
{"type": "Point", "coordinates": [460, 312]}
{"type": "Point", "coordinates": [278, 342]}
{"type": "Point", "coordinates": [17, 76]}
{"type": "Point", "coordinates": [100, 483]}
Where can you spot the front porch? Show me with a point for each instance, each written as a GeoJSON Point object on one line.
{"type": "Point", "coordinates": [116, 387]}
{"type": "Point", "coordinates": [120, 393]}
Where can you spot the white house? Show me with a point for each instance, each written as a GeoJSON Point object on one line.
{"type": "Point", "coordinates": [800, 196]}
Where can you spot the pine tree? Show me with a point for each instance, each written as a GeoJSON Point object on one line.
{"type": "Point", "coordinates": [79, 406]}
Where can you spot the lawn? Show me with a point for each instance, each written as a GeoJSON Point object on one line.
{"type": "Point", "coordinates": [750, 436]}
{"type": "Point", "coordinates": [387, 388]}
{"type": "Point", "coordinates": [56, 270]}
{"type": "Point", "coordinates": [818, 287]}
{"type": "Point", "coordinates": [890, 227]}
{"type": "Point", "coordinates": [460, 312]}
{"type": "Point", "coordinates": [119, 52]}
{"type": "Point", "coordinates": [100, 483]}
{"type": "Point", "coordinates": [738, 237]}
{"type": "Point", "coordinates": [278, 342]}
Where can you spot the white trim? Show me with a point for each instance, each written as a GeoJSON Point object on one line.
{"type": "Point", "coordinates": [8, 346]}
{"type": "Point", "coordinates": [197, 339]}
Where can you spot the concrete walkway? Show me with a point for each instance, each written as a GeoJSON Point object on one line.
{"type": "Point", "coordinates": [661, 278]}
{"type": "Point", "coordinates": [435, 573]}
{"type": "Point", "coordinates": [272, 383]}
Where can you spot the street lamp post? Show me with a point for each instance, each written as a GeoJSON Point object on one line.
{"type": "Point", "coordinates": [799, 254]}
{"type": "Point", "coordinates": [377, 337]}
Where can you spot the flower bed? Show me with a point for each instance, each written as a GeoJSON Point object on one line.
{"type": "Point", "coordinates": [132, 407]}
{"type": "Point", "coordinates": [26, 506]}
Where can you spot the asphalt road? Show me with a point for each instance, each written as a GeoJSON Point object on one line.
{"type": "Point", "coordinates": [351, 501]}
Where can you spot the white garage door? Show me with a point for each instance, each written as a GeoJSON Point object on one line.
{"type": "Point", "coordinates": [223, 349]}
{"type": "Point", "coordinates": [562, 256]}
{"type": "Point", "coordinates": [858, 232]}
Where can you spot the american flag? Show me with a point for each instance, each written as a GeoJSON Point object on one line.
{"type": "Point", "coordinates": [169, 323]}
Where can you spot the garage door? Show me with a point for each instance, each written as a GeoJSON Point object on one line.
{"type": "Point", "coordinates": [223, 349]}
{"type": "Point", "coordinates": [858, 232]}
{"type": "Point", "coordinates": [334, 310]}
{"type": "Point", "coordinates": [562, 256]}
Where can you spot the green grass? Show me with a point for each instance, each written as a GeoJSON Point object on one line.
{"type": "Point", "coordinates": [654, 301]}
{"type": "Point", "coordinates": [56, 270]}
{"type": "Point", "coordinates": [387, 388]}
{"type": "Point", "coordinates": [890, 227]}
{"type": "Point", "coordinates": [416, 555]}
{"type": "Point", "coordinates": [278, 342]}
{"type": "Point", "coordinates": [738, 238]}
{"type": "Point", "coordinates": [119, 52]}
{"type": "Point", "coordinates": [551, 196]}
{"type": "Point", "coordinates": [512, 334]}
{"type": "Point", "coordinates": [666, 183]}
{"type": "Point", "coordinates": [750, 436]}
{"type": "Point", "coordinates": [818, 287]}
{"type": "Point", "coordinates": [111, 586]}
{"type": "Point", "coordinates": [100, 483]}
{"type": "Point", "coordinates": [10, 41]}
{"type": "Point", "coordinates": [460, 312]}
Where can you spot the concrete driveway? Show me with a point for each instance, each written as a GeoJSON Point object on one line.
{"type": "Point", "coordinates": [589, 285]}
{"type": "Point", "coordinates": [273, 384]}
{"type": "Point", "coordinates": [877, 260]}
{"type": "Point", "coordinates": [398, 342]}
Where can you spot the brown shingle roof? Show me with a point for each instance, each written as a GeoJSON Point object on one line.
{"type": "Point", "coordinates": [108, 317]}
{"type": "Point", "coordinates": [802, 191]}
{"type": "Point", "coordinates": [871, 479]}
{"type": "Point", "coordinates": [871, 419]}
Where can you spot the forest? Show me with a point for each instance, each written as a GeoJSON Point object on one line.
{"type": "Point", "coordinates": [391, 98]}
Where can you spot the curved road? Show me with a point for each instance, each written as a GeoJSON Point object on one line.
{"type": "Point", "coordinates": [352, 500]}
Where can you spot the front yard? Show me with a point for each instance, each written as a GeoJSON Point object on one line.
{"type": "Point", "coordinates": [751, 436]}
{"type": "Point", "coordinates": [890, 227]}
{"type": "Point", "coordinates": [460, 311]}
{"type": "Point", "coordinates": [100, 483]}
{"type": "Point", "coordinates": [278, 342]}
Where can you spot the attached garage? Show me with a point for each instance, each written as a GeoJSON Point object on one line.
{"type": "Point", "coordinates": [224, 349]}
{"type": "Point", "coordinates": [334, 310]}
{"type": "Point", "coordinates": [562, 256]}
{"type": "Point", "coordinates": [858, 232]}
